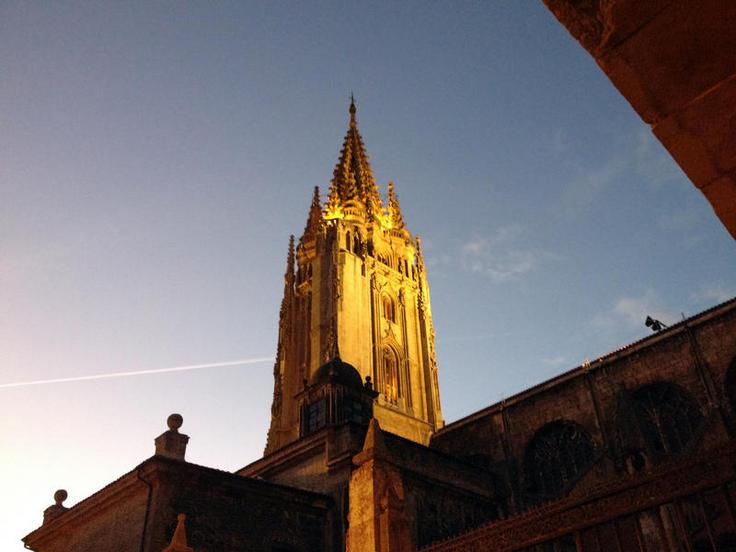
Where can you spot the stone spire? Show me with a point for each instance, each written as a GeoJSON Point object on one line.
{"type": "Point", "coordinates": [179, 540]}
{"type": "Point", "coordinates": [288, 278]}
{"type": "Point", "coordinates": [395, 218]}
{"type": "Point", "coordinates": [314, 220]}
{"type": "Point", "coordinates": [352, 178]}
{"type": "Point", "coordinates": [284, 335]}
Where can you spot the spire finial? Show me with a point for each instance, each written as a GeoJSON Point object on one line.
{"type": "Point", "coordinates": [314, 220]}
{"type": "Point", "coordinates": [352, 109]}
{"type": "Point", "coordinates": [395, 218]}
{"type": "Point", "coordinates": [290, 257]}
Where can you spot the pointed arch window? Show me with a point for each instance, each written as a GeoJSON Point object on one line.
{"type": "Point", "coordinates": [389, 309]}
{"type": "Point", "coordinates": [390, 377]}
{"type": "Point", "coordinates": [558, 454]}
{"type": "Point", "coordinates": [668, 418]}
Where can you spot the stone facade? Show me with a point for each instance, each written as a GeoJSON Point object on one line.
{"type": "Point", "coordinates": [672, 60]}
{"type": "Point", "coordinates": [632, 451]}
{"type": "Point", "coordinates": [356, 287]}
{"type": "Point", "coordinates": [225, 512]}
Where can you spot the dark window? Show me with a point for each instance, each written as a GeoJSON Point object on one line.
{"type": "Point", "coordinates": [354, 412]}
{"type": "Point", "coordinates": [315, 416]}
{"type": "Point", "coordinates": [556, 456]}
{"type": "Point", "coordinates": [667, 416]}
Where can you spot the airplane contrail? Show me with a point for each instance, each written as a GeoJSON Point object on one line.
{"type": "Point", "coordinates": [140, 372]}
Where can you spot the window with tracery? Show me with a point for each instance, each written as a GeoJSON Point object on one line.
{"type": "Point", "coordinates": [389, 309]}
{"type": "Point", "coordinates": [556, 457]}
{"type": "Point", "coordinates": [668, 418]}
{"type": "Point", "coordinates": [390, 380]}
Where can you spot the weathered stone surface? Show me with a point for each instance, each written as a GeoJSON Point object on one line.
{"type": "Point", "coordinates": [224, 512]}
{"type": "Point", "coordinates": [673, 61]}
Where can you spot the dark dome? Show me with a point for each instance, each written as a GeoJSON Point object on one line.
{"type": "Point", "coordinates": [338, 371]}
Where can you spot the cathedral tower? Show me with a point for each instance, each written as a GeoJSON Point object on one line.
{"type": "Point", "coordinates": [356, 288]}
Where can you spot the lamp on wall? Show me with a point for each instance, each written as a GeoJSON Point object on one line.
{"type": "Point", "coordinates": [654, 324]}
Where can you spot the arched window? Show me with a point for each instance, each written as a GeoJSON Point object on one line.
{"type": "Point", "coordinates": [389, 309]}
{"type": "Point", "coordinates": [348, 241]}
{"type": "Point", "coordinates": [667, 417]}
{"type": "Point", "coordinates": [556, 456]}
{"type": "Point", "coordinates": [390, 380]}
{"type": "Point", "coordinates": [356, 244]}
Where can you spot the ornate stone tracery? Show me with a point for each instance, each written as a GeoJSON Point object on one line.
{"type": "Point", "coordinates": [556, 457]}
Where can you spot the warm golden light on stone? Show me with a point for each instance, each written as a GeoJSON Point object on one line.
{"type": "Point", "coordinates": [356, 287]}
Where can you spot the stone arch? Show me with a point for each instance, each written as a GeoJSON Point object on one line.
{"type": "Point", "coordinates": [656, 421]}
{"type": "Point", "coordinates": [558, 454]}
{"type": "Point", "coordinates": [384, 257]}
{"type": "Point", "coordinates": [388, 307]}
{"type": "Point", "coordinates": [669, 417]}
{"type": "Point", "coordinates": [391, 380]}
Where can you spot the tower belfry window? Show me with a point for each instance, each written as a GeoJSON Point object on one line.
{"type": "Point", "coordinates": [391, 383]}
{"type": "Point", "coordinates": [389, 310]}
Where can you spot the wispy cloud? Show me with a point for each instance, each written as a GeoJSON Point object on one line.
{"type": "Point", "coordinates": [630, 312]}
{"type": "Point", "coordinates": [588, 183]}
{"type": "Point", "coordinates": [714, 294]}
{"type": "Point", "coordinates": [504, 255]}
{"type": "Point", "coordinates": [554, 361]}
{"type": "Point", "coordinates": [479, 337]}
{"type": "Point", "coordinates": [641, 155]}
{"type": "Point", "coordinates": [652, 160]}
{"type": "Point", "coordinates": [679, 220]}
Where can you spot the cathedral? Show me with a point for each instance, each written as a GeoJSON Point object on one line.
{"type": "Point", "coordinates": [633, 451]}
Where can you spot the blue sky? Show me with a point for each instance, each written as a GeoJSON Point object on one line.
{"type": "Point", "coordinates": [155, 158]}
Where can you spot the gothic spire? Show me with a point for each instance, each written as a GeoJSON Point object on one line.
{"type": "Point", "coordinates": [288, 281]}
{"type": "Point", "coordinates": [314, 220]}
{"type": "Point", "coordinates": [352, 178]}
{"type": "Point", "coordinates": [395, 217]}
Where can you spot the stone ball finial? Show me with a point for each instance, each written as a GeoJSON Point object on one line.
{"type": "Point", "coordinates": [60, 496]}
{"type": "Point", "coordinates": [174, 422]}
